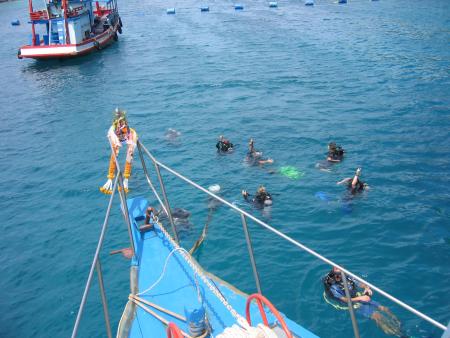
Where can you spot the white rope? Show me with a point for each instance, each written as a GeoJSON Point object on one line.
{"type": "Point", "coordinates": [183, 253]}
{"type": "Point", "coordinates": [162, 273]}
{"type": "Point", "coordinates": [260, 331]}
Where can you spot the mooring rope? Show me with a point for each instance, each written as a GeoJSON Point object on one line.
{"type": "Point", "coordinates": [202, 237]}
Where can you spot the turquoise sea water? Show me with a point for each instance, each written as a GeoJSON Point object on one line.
{"type": "Point", "coordinates": [372, 76]}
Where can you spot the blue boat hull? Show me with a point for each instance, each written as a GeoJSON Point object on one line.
{"type": "Point", "coordinates": [179, 288]}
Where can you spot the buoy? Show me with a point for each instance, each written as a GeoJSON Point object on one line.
{"type": "Point", "coordinates": [273, 4]}
{"type": "Point", "coordinates": [342, 1]}
{"type": "Point", "coordinates": [204, 9]}
{"type": "Point", "coordinates": [170, 11]}
{"type": "Point", "coordinates": [238, 7]}
{"type": "Point", "coordinates": [15, 22]}
{"type": "Point", "coordinates": [215, 188]}
{"type": "Point", "coordinates": [309, 2]}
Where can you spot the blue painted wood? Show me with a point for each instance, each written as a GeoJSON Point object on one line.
{"type": "Point", "coordinates": [177, 290]}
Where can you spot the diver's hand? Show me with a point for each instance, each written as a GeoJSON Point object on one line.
{"type": "Point", "coordinates": [368, 291]}
{"type": "Point", "coordinates": [362, 299]}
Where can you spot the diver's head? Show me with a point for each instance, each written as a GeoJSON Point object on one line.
{"type": "Point", "coordinates": [335, 274]}
{"type": "Point", "coordinates": [358, 172]}
{"type": "Point", "coordinates": [221, 138]}
{"type": "Point", "coordinates": [331, 146]}
{"type": "Point", "coordinates": [261, 189]}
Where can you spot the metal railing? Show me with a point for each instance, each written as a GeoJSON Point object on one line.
{"type": "Point", "coordinates": [244, 216]}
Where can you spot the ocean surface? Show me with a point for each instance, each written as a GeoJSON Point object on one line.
{"type": "Point", "coordinates": [371, 76]}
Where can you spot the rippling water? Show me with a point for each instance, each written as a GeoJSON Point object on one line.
{"type": "Point", "coordinates": [373, 76]}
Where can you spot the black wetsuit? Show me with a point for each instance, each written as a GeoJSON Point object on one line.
{"type": "Point", "coordinates": [336, 154]}
{"type": "Point", "coordinates": [261, 197]}
{"type": "Point", "coordinates": [224, 146]}
{"type": "Point", "coordinates": [329, 281]}
{"type": "Point", "coordinates": [360, 185]}
{"type": "Point", "coordinates": [259, 200]}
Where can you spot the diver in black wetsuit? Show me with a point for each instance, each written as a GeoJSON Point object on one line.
{"type": "Point", "coordinates": [335, 153]}
{"type": "Point", "coordinates": [255, 157]}
{"type": "Point", "coordinates": [224, 145]}
{"type": "Point", "coordinates": [361, 297]}
{"type": "Point", "coordinates": [355, 185]}
{"type": "Point", "coordinates": [262, 197]}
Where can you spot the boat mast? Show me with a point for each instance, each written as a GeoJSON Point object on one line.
{"type": "Point", "coordinates": [66, 26]}
{"type": "Point", "coordinates": [33, 32]}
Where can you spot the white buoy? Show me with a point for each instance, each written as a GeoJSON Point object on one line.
{"type": "Point", "coordinates": [204, 9]}
{"type": "Point", "coordinates": [238, 7]}
{"type": "Point", "coordinates": [215, 188]}
{"type": "Point", "coordinates": [309, 2]}
{"type": "Point", "coordinates": [273, 4]}
{"type": "Point", "coordinates": [170, 11]}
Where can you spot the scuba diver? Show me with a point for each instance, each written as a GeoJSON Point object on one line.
{"type": "Point", "coordinates": [119, 134]}
{"type": "Point", "coordinates": [255, 157]}
{"type": "Point", "coordinates": [361, 299]}
{"type": "Point", "coordinates": [262, 198]}
{"type": "Point", "coordinates": [354, 185]}
{"type": "Point", "coordinates": [172, 135]}
{"type": "Point", "coordinates": [335, 152]}
{"type": "Point", "coordinates": [224, 145]}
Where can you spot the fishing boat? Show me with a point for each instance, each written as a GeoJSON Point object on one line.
{"type": "Point", "coordinates": [172, 296]}
{"type": "Point", "coordinates": [69, 28]}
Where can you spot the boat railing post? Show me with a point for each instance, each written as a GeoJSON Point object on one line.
{"type": "Point", "coordinates": [123, 199]}
{"type": "Point", "coordinates": [166, 202]}
{"type": "Point", "coordinates": [350, 305]}
{"type": "Point", "coordinates": [250, 253]}
{"type": "Point", "coordinates": [147, 176]}
{"type": "Point", "coordinates": [94, 262]}
{"type": "Point", "coordinates": [104, 301]}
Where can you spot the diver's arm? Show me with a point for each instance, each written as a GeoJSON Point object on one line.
{"type": "Point", "coordinates": [330, 159]}
{"type": "Point", "coordinates": [354, 181]}
{"type": "Point", "coordinates": [269, 160]}
{"type": "Point", "coordinates": [345, 180]}
{"type": "Point", "coordinates": [357, 299]}
{"type": "Point", "coordinates": [367, 290]}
